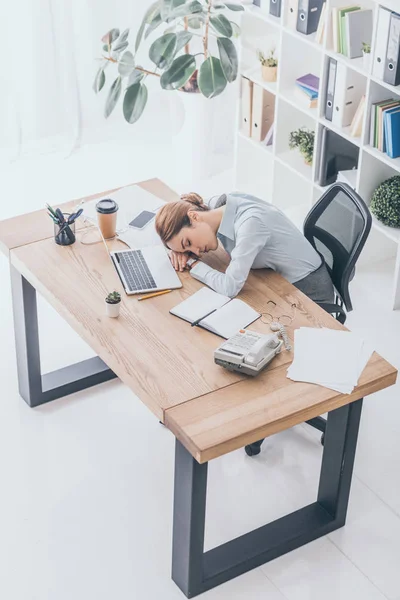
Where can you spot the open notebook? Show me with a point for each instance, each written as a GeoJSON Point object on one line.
{"type": "Point", "coordinates": [228, 317]}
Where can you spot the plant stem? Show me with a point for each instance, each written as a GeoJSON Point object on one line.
{"type": "Point", "coordinates": [136, 68]}
{"type": "Point", "coordinates": [186, 27]}
{"type": "Point", "coordinates": [207, 24]}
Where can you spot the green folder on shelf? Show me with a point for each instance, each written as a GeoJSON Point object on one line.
{"type": "Point", "coordinates": [342, 25]}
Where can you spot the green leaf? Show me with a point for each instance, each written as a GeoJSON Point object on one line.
{"type": "Point", "coordinates": [186, 9]}
{"type": "Point", "coordinates": [148, 17]}
{"type": "Point", "coordinates": [179, 72]}
{"type": "Point", "coordinates": [182, 38]}
{"type": "Point", "coordinates": [105, 48]}
{"type": "Point", "coordinates": [222, 25]}
{"type": "Point", "coordinates": [134, 102]}
{"type": "Point", "coordinates": [229, 58]}
{"type": "Point", "coordinates": [112, 98]}
{"type": "Point", "coordinates": [212, 80]}
{"type": "Point", "coordinates": [235, 7]}
{"type": "Point", "coordinates": [126, 64]}
{"type": "Point", "coordinates": [195, 22]}
{"type": "Point", "coordinates": [236, 29]}
{"type": "Point", "coordinates": [162, 50]}
{"type": "Point", "coordinates": [153, 25]}
{"type": "Point", "coordinates": [110, 36]}
{"type": "Point", "coordinates": [135, 77]}
{"type": "Point", "coordinates": [119, 47]}
{"type": "Point", "coordinates": [99, 80]}
{"type": "Point", "coordinates": [124, 36]}
{"type": "Point", "coordinates": [168, 6]}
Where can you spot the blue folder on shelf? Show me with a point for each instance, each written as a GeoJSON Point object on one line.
{"type": "Point", "coordinates": [310, 93]}
{"type": "Point", "coordinates": [391, 132]}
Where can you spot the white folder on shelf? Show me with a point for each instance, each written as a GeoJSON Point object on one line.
{"type": "Point", "coordinates": [358, 30]}
{"type": "Point", "coordinates": [349, 89]}
{"type": "Point", "coordinates": [262, 113]}
{"type": "Point", "coordinates": [293, 7]}
{"type": "Point", "coordinates": [381, 42]}
{"type": "Point", "coordinates": [246, 106]}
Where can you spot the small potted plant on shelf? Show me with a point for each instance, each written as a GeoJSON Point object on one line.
{"type": "Point", "coordinates": [366, 49]}
{"type": "Point", "coordinates": [113, 304]}
{"type": "Point", "coordinates": [303, 139]}
{"type": "Point", "coordinates": [269, 65]}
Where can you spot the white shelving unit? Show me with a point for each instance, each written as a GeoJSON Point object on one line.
{"type": "Point", "coordinates": [280, 175]}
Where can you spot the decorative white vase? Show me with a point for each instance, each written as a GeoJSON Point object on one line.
{"type": "Point", "coordinates": [112, 310]}
{"type": "Point", "coordinates": [367, 61]}
{"type": "Point", "coordinates": [200, 128]}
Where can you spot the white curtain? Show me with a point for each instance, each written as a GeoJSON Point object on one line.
{"type": "Point", "coordinates": [50, 52]}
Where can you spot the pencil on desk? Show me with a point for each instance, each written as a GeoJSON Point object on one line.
{"type": "Point", "coordinates": [154, 294]}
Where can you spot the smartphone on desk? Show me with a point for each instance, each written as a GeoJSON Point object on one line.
{"type": "Point", "coordinates": [142, 219]}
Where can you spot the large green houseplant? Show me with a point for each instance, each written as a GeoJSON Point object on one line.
{"type": "Point", "coordinates": [173, 63]}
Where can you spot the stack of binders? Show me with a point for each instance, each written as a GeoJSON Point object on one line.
{"type": "Point", "coordinates": [351, 28]}
{"type": "Point", "coordinates": [304, 15]}
{"type": "Point", "coordinates": [385, 127]}
{"type": "Point", "coordinates": [307, 88]}
{"type": "Point", "coordinates": [257, 112]}
{"type": "Point", "coordinates": [345, 89]}
{"type": "Point", "coordinates": [386, 64]}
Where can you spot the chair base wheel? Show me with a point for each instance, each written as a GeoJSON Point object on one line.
{"type": "Point", "coordinates": [252, 450]}
{"type": "Point", "coordinates": [322, 439]}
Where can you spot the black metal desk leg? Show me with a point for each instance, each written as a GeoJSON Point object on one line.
{"type": "Point", "coordinates": [189, 521]}
{"type": "Point", "coordinates": [34, 387]}
{"type": "Point", "coordinates": [338, 460]}
{"type": "Point", "coordinates": [196, 571]}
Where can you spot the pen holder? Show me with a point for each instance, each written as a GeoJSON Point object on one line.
{"type": "Point", "coordinates": [64, 234]}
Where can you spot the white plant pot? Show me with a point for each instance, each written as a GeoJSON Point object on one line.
{"type": "Point", "coordinates": [366, 61]}
{"type": "Point", "coordinates": [112, 310]}
{"type": "Point", "coordinates": [201, 127]}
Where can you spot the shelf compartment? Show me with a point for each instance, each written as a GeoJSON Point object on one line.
{"type": "Point", "coordinates": [257, 145]}
{"type": "Point", "coordinates": [289, 186]}
{"type": "Point", "coordinates": [263, 15]}
{"type": "Point", "coordinates": [288, 120]}
{"type": "Point", "coordinates": [374, 173]}
{"type": "Point", "coordinates": [254, 74]}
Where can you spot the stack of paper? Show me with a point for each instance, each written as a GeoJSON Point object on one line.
{"type": "Point", "coordinates": [333, 359]}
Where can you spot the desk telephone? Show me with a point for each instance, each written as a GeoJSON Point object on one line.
{"type": "Point", "coordinates": [247, 352]}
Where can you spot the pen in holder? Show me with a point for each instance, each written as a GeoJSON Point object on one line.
{"type": "Point", "coordinates": [64, 225]}
{"type": "Point", "coordinates": [64, 233]}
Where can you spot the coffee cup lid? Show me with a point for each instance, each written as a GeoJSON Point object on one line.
{"type": "Point", "coordinates": [106, 206]}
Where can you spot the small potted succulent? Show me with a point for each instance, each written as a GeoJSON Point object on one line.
{"type": "Point", "coordinates": [303, 139]}
{"type": "Point", "coordinates": [113, 304]}
{"type": "Point", "coordinates": [269, 65]}
{"type": "Point", "coordinates": [366, 49]}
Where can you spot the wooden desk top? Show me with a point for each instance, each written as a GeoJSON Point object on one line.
{"type": "Point", "coordinates": [161, 358]}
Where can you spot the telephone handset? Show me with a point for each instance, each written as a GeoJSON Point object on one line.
{"type": "Point", "coordinates": [247, 352]}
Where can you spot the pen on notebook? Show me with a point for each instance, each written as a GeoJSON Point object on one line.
{"type": "Point", "coordinates": [205, 316]}
{"type": "Point", "coordinates": [154, 294]}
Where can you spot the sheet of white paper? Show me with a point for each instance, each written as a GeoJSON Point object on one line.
{"type": "Point", "coordinates": [331, 358]}
{"type": "Point", "coordinates": [199, 304]}
{"type": "Point", "coordinates": [233, 316]}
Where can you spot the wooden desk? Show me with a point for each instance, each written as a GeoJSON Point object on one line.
{"type": "Point", "coordinates": [170, 367]}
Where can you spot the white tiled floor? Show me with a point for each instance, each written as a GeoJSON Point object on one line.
{"type": "Point", "coordinates": [86, 481]}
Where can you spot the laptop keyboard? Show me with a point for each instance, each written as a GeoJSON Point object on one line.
{"type": "Point", "coordinates": [135, 270]}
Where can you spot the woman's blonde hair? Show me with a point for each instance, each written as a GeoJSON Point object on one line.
{"type": "Point", "coordinates": [173, 216]}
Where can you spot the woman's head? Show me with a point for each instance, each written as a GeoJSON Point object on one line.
{"type": "Point", "coordinates": [184, 227]}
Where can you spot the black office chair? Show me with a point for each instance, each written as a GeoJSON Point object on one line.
{"type": "Point", "coordinates": [337, 226]}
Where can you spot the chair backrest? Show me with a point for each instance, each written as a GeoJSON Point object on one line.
{"type": "Point", "coordinates": [338, 226]}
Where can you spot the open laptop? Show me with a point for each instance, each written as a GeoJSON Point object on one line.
{"type": "Point", "coordinates": [144, 270]}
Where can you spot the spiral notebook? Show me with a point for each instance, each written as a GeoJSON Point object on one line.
{"type": "Point", "coordinates": [217, 313]}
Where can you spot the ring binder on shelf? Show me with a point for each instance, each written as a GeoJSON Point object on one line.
{"type": "Point", "coordinates": [308, 15]}
{"type": "Point", "coordinates": [392, 62]}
